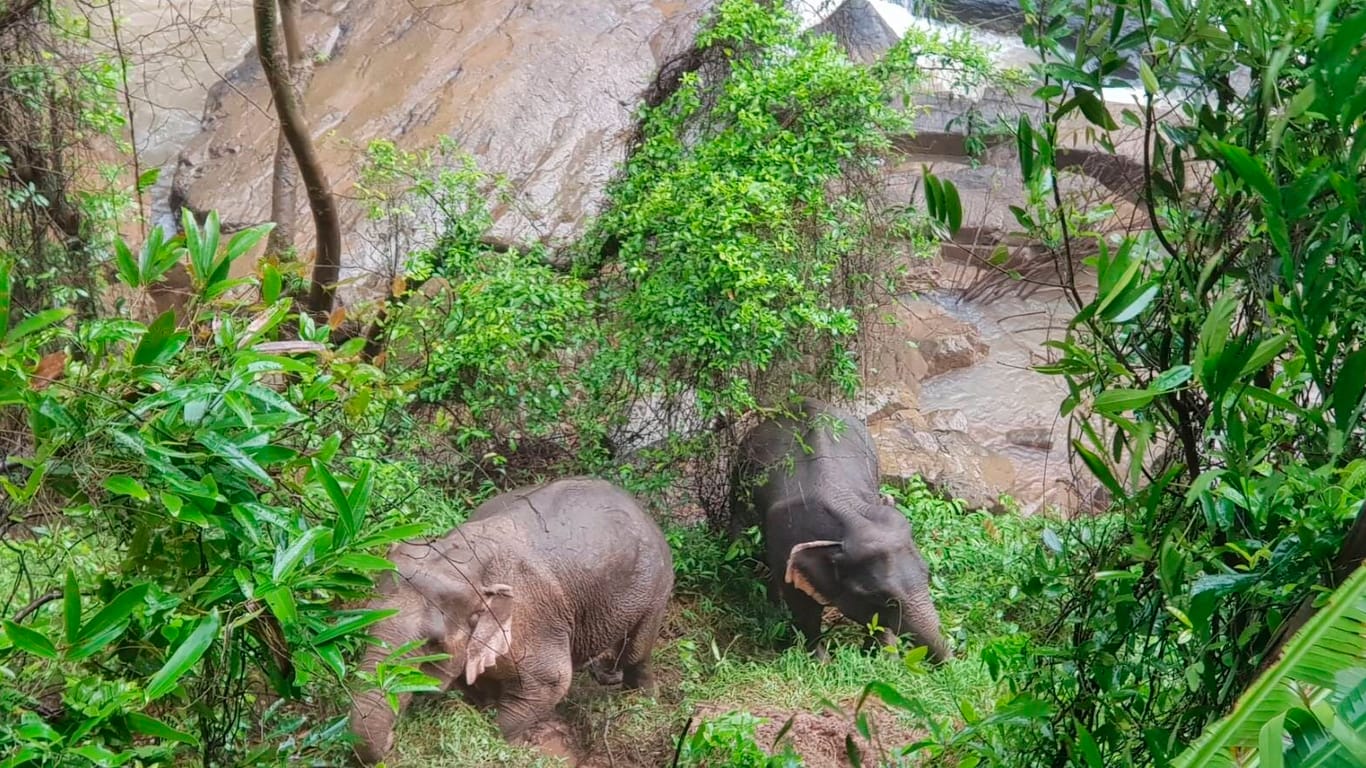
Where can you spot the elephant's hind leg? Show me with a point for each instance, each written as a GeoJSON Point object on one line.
{"type": "Point", "coordinates": [635, 656]}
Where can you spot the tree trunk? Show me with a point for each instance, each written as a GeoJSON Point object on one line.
{"type": "Point", "coordinates": [284, 197]}
{"type": "Point", "coordinates": [326, 224]}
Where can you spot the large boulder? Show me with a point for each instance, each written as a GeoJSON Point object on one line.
{"type": "Point", "coordinates": [914, 340]}
{"type": "Point", "coordinates": [542, 92]}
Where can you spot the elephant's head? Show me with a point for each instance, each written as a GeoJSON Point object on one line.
{"type": "Point", "coordinates": [453, 611]}
{"type": "Point", "coordinates": [876, 569]}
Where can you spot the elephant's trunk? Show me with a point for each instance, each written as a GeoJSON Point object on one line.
{"type": "Point", "coordinates": [920, 620]}
{"type": "Point", "coordinates": [372, 720]}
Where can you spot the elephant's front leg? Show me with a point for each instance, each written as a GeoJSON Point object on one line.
{"type": "Point", "coordinates": [541, 681]}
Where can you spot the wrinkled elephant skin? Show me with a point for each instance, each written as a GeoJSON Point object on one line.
{"type": "Point", "coordinates": [539, 582]}
{"type": "Point", "coordinates": [830, 538]}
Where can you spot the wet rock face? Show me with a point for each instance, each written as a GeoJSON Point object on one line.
{"type": "Point", "coordinates": [542, 92]}
{"type": "Point", "coordinates": [936, 447]}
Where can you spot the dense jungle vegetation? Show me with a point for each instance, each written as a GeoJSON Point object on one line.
{"type": "Point", "coordinates": [197, 497]}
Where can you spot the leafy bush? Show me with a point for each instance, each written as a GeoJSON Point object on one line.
{"type": "Point", "coordinates": [746, 230]}
{"type": "Point", "coordinates": [191, 525]}
{"type": "Point", "coordinates": [1216, 376]}
{"type": "Point", "coordinates": [729, 740]}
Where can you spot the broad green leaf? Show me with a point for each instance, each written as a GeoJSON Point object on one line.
{"type": "Point", "coordinates": [288, 559]}
{"type": "Point", "coordinates": [157, 338]}
{"type": "Point", "coordinates": [346, 527]}
{"type": "Point", "coordinates": [150, 726]}
{"type": "Point", "coordinates": [888, 695]}
{"type": "Point", "coordinates": [1095, 110]}
{"type": "Point", "coordinates": [5, 267]}
{"type": "Point", "coordinates": [1099, 469]}
{"type": "Point", "coordinates": [126, 264]}
{"type": "Point", "coordinates": [1250, 170]}
{"type": "Point", "coordinates": [71, 608]}
{"type": "Point", "coordinates": [1120, 400]}
{"type": "Point", "coordinates": [1214, 334]}
{"type": "Point", "coordinates": [1024, 139]}
{"type": "Point", "coordinates": [1145, 73]}
{"type": "Point", "coordinates": [1127, 309]}
{"type": "Point", "coordinates": [350, 625]}
{"type": "Point", "coordinates": [271, 283]}
{"type": "Point", "coordinates": [114, 613]}
{"type": "Point", "coordinates": [1171, 378]}
{"type": "Point", "coordinates": [281, 602]}
{"type": "Point", "coordinates": [1265, 352]}
{"type": "Point", "coordinates": [244, 240]}
{"type": "Point", "coordinates": [1348, 388]}
{"type": "Point", "coordinates": [360, 561]}
{"type": "Point", "coordinates": [29, 641]}
{"type": "Point", "coordinates": [1086, 743]}
{"type": "Point", "coordinates": [359, 498]}
{"type": "Point", "coordinates": [148, 179]}
{"type": "Point", "coordinates": [122, 485]}
{"type": "Point", "coordinates": [185, 657]}
{"type": "Point", "coordinates": [35, 323]}
{"type": "Point", "coordinates": [234, 455]}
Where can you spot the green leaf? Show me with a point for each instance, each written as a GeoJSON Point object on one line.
{"type": "Point", "coordinates": [1347, 389]}
{"type": "Point", "coordinates": [1171, 378]}
{"type": "Point", "coordinates": [244, 240]}
{"type": "Point", "coordinates": [126, 264]}
{"type": "Point", "coordinates": [282, 604]}
{"type": "Point", "coordinates": [271, 282]}
{"type": "Point", "coordinates": [29, 641]}
{"type": "Point", "coordinates": [288, 559]}
{"type": "Point", "coordinates": [346, 527]}
{"type": "Point", "coordinates": [1120, 400]}
{"type": "Point", "coordinates": [1024, 139]}
{"type": "Point", "coordinates": [150, 726]}
{"type": "Point", "coordinates": [122, 485]}
{"type": "Point", "coordinates": [363, 562]}
{"type": "Point", "coordinates": [1086, 743]}
{"type": "Point", "coordinates": [5, 267]}
{"type": "Point", "coordinates": [359, 498]}
{"type": "Point", "coordinates": [1094, 109]}
{"type": "Point", "coordinates": [156, 340]}
{"type": "Point", "coordinates": [34, 323]}
{"type": "Point", "coordinates": [186, 656]}
{"type": "Point", "coordinates": [1145, 73]}
{"type": "Point", "coordinates": [114, 613]}
{"type": "Point", "coordinates": [1214, 334]}
{"type": "Point", "coordinates": [148, 179]}
{"type": "Point", "coordinates": [1125, 310]}
{"type": "Point", "coordinates": [71, 608]}
{"type": "Point", "coordinates": [351, 625]}
{"type": "Point", "coordinates": [1099, 469]}
{"type": "Point", "coordinates": [234, 455]}
{"type": "Point", "coordinates": [1250, 170]}
{"type": "Point", "coordinates": [1265, 352]}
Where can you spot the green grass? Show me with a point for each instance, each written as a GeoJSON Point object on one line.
{"type": "Point", "coordinates": [727, 648]}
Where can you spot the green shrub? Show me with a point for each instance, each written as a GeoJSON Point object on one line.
{"type": "Point", "coordinates": [194, 522]}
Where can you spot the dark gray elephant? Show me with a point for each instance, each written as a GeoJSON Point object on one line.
{"type": "Point", "coordinates": [539, 582]}
{"type": "Point", "coordinates": [811, 482]}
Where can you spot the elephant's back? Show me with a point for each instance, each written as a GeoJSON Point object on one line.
{"type": "Point", "coordinates": [818, 447]}
{"type": "Point", "coordinates": [608, 557]}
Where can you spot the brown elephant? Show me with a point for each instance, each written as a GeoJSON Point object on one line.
{"type": "Point", "coordinates": [830, 538]}
{"type": "Point", "coordinates": [539, 582]}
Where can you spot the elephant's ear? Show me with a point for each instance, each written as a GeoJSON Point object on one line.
{"type": "Point", "coordinates": [492, 633]}
{"type": "Point", "coordinates": [809, 563]}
